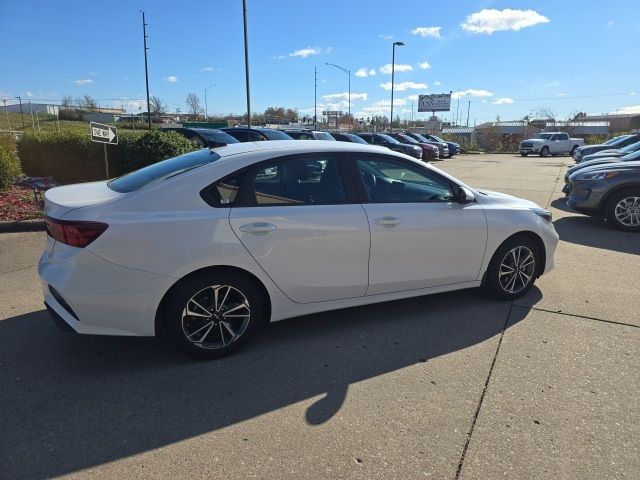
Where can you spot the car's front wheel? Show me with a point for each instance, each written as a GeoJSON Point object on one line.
{"type": "Point", "coordinates": [513, 268]}
{"type": "Point", "coordinates": [623, 210]}
{"type": "Point", "coordinates": [524, 154]}
{"type": "Point", "coordinates": [544, 152]}
{"type": "Point", "coordinates": [213, 314]}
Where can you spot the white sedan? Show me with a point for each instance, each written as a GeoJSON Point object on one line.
{"type": "Point", "coordinates": [206, 246]}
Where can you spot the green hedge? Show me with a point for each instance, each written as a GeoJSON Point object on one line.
{"type": "Point", "coordinates": [9, 167]}
{"type": "Point", "coordinates": [72, 157]}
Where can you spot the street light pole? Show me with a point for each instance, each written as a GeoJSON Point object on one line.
{"type": "Point", "coordinates": [146, 70]}
{"type": "Point", "coordinates": [206, 112]}
{"type": "Point", "coordinates": [348, 72]}
{"type": "Point", "coordinates": [246, 61]}
{"type": "Point", "coordinates": [315, 99]}
{"type": "Point", "coordinates": [21, 112]}
{"type": "Point", "coordinates": [393, 72]}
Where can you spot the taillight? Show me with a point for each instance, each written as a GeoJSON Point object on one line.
{"type": "Point", "coordinates": [76, 233]}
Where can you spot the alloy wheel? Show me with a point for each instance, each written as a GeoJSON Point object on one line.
{"type": "Point", "coordinates": [215, 317]}
{"type": "Point", "coordinates": [517, 269]}
{"type": "Point", "coordinates": [627, 211]}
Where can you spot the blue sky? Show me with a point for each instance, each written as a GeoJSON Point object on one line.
{"type": "Point", "coordinates": [508, 58]}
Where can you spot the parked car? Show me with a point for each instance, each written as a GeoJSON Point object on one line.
{"type": "Point", "coordinates": [617, 142]}
{"type": "Point", "coordinates": [391, 143]}
{"type": "Point", "coordinates": [429, 152]}
{"type": "Point", "coordinates": [631, 157]}
{"type": "Point", "coordinates": [348, 137]}
{"type": "Point", "coordinates": [611, 190]}
{"type": "Point", "coordinates": [615, 152]}
{"type": "Point", "coordinates": [205, 137]}
{"type": "Point", "coordinates": [308, 135]}
{"type": "Point", "coordinates": [454, 148]}
{"type": "Point", "coordinates": [550, 143]}
{"type": "Point", "coordinates": [204, 250]}
{"type": "Point", "coordinates": [443, 147]}
{"type": "Point", "coordinates": [256, 134]}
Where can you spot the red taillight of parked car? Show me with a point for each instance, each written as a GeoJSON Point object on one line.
{"type": "Point", "coordinates": [74, 232]}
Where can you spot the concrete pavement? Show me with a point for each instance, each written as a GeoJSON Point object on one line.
{"type": "Point", "coordinates": [447, 386]}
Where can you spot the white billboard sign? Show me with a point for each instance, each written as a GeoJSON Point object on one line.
{"type": "Point", "coordinates": [437, 102]}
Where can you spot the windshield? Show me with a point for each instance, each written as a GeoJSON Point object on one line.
{"type": "Point", "coordinates": [545, 136]}
{"type": "Point", "coordinates": [406, 139]}
{"type": "Point", "coordinates": [387, 138]}
{"type": "Point", "coordinates": [276, 135]}
{"type": "Point", "coordinates": [421, 138]}
{"type": "Point", "coordinates": [354, 138]}
{"type": "Point", "coordinates": [438, 139]}
{"type": "Point", "coordinates": [631, 157]}
{"type": "Point", "coordinates": [162, 170]}
{"type": "Point", "coordinates": [631, 148]}
{"type": "Point", "coordinates": [217, 136]}
{"type": "Point", "coordinates": [324, 136]}
{"type": "Point", "coordinates": [613, 140]}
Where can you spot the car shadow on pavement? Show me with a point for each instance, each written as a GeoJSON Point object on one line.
{"type": "Point", "coordinates": [594, 232]}
{"type": "Point", "coordinates": [71, 402]}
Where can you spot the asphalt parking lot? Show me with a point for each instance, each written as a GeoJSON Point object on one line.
{"type": "Point", "coordinates": [447, 386]}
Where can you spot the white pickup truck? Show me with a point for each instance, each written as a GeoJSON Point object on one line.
{"type": "Point", "coordinates": [550, 143]}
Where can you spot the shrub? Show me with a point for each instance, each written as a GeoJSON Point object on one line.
{"type": "Point", "coordinates": [72, 157]}
{"type": "Point", "coordinates": [9, 167]}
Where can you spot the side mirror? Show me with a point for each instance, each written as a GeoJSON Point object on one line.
{"type": "Point", "coordinates": [464, 196]}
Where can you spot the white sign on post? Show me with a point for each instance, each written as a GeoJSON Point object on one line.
{"type": "Point", "coordinates": [103, 133]}
{"type": "Point", "coordinates": [438, 102]}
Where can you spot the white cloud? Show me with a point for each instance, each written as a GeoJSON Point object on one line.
{"type": "Point", "coordinates": [363, 72]}
{"type": "Point", "coordinates": [610, 23]}
{"type": "Point", "coordinates": [471, 93]}
{"type": "Point", "coordinates": [306, 52]}
{"type": "Point", "coordinates": [503, 101]}
{"type": "Point", "coordinates": [437, 83]}
{"type": "Point", "coordinates": [632, 94]}
{"type": "Point", "coordinates": [84, 81]}
{"type": "Point", "coordinates": [412, 97]}
{"type": "Point", "coordinates": [207, 69]}
{"type": "Point", "coordinates": [424, 65]}
{"type": "Point", "coordinates": [427, 31]}
{"type": "Point", "coordinates": [29, 94]}
{"type": "Point", "coordinates": [345, 96]}
{"type": "Point", "coordinates": [401, 87]}
{"type": "Point", "coordinates": [381, 107]}
{"type": "Point", "coordinates": [562, 94]}
{"type": "Point", "coordinates": [399, 68]}
{"type": "Point", "coordinates": [633, 109]}
{"type": "Point", "coordinates": [492, 20]}
{"type": "Point", "coordinates": [172, 79]}
{"type": "Point", "coordinates": [385, 37]}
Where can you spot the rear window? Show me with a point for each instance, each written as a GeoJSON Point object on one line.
{"type": "Point", "coordinates": [324, 136]}
{"type": "Point", "coordinates": [355, 138]}
{"type": "Point", "coordinates": [162, 170]}
{"type": "Point", "coordinates": [218, 137]}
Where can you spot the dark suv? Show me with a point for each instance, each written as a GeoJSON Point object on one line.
{"type": "Point", "coordinates": [443, 147]}
{"type": "Point", "coordinates": [347, 137]}
{"type": "Point", "coordinates": [255, 134]}
{"type": "Point", "coordinates": [205, 137]}
{"type": "Point", "coordinates": [383, 140]}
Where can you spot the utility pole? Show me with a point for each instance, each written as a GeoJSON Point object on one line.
{"type": "Point", "coordinates": [348, 72]}
{"type": "Point", "coordinates": [146, 69]}
{"type": "Point", "coordinates": [315, 99]}
{"type": "Point", "coordinates": [393, 72]}
{"type": "Point", "coordinates": [468, 108]}
{"type": "Point", "coordinates": [206, 109]}
{"type": "Point", "coordinates": [246, 61]}
{"type": "Point", "coordinates": [21, 112]}
{"type": "Point", "coordinates": [33, 127]}
{"type": "Point", "coordinates": [458, 108]}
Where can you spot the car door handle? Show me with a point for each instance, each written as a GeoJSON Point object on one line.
{"type": "Point", "coordinates": [387, 222]}
{"type": "Point", "coordinates": [258, 228]}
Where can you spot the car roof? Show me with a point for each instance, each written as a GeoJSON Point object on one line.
{"type": "Point", "coordinates": [297, 146]}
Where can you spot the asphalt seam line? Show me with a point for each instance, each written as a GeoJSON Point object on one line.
{"type": "Point", "coordinates": [555, 185]}
{"type": "Point", "coordinates": [484, 391]}
{"type": "Point", "coordinates": [579, 316]}
{"type": "Point", "coordinates": [18, 269]}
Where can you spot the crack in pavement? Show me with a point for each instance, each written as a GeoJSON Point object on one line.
{"type": "Point", "coordinates": [555, 185]}
{"type": "Point", "coordinates": [484, 391]}
{"type": "Point", "coordinates": [578, 316]}
{"type": "Point", "coordinates": [19, 269]}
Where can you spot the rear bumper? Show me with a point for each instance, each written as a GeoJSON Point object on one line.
{"type": "Point", "coordinates": [107, 299]}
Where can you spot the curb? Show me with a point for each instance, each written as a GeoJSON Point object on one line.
{"type": "Point", "coordinates": [22, 226]}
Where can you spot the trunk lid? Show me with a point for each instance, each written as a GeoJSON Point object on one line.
{"type": "Point", "coordinates": [59, 201]}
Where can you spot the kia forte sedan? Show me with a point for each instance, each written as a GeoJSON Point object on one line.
{"type": "Point", "coordinates": [205, 247]}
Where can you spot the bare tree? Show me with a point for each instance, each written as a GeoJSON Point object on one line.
{"type": "Point", "coordinates": [193, 104]}
{"type": "Point", "coordinates": [67, 102]}
{"type": "Point", "coordinates": [87, 102]}
{"type": "Point", "coordinates": [156, 105]}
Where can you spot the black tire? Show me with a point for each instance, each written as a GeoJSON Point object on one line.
{"type": "Point", "coordinates": [200, 290]}
{"type": "Point", "coordinates": [573, 151]}
{"type": "Point", "coordinates": [493, 284]}
{"type": "Point", "coordinates": [524, 154]}
{"type": "Point", "coordinates": [544, 152]}
{"type": "Point", "coordinates": [628, 200]}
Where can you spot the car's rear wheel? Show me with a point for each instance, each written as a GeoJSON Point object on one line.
{"type": "Point", "coordinates": [573, 151]}
{"type": "Point", "coordinates": [214, 314]}
{"type": "Point", "coordinates": [524, 154]}
{"type": "Point", "coordinates": [544, 152]}
{"type": "Point", "coordinates": [623, 210]}
{"type": "Point", "coordinates": [513, 268]}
